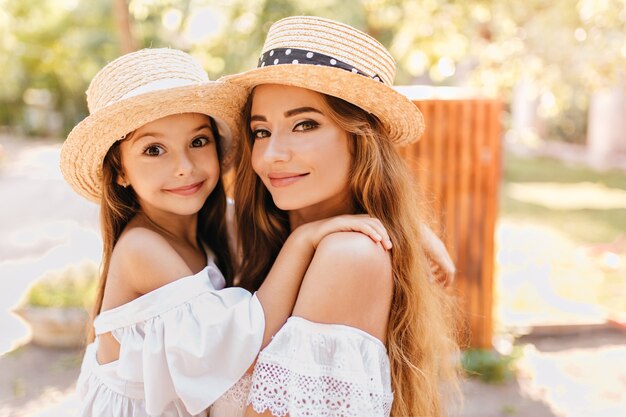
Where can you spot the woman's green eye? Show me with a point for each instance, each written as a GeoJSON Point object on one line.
{"type": "Point", "coordinates": [306, 125]}
{"type": "Point", "coordinates": [260, 134]}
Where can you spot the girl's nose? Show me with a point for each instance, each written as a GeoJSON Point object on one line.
{"type": "Point", "coordinates": [184, 165]}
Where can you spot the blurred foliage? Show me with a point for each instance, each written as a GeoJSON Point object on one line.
{"type": "Point", "coordinates": [489, 365]}
{"type": "Point", "coordinates": [568, 48]}
{"type": "Point", "coordinates": [52, 45]}
{"type": "Point", "coordinates": [73, 286]}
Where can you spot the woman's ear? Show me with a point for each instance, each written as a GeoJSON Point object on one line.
{"type": "Point", "coordinates": [121, 181]}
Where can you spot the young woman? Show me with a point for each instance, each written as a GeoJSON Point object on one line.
{"type": "Point", "coordinates": [368, 336]}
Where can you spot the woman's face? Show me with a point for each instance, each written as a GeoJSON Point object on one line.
{"type": "Point", "coordinates": [171, 163]}
{"type": "Point", "coordinates": [301, 155]}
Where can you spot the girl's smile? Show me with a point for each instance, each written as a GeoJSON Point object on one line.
{"type": "Point", "coordinates": [186, 190]}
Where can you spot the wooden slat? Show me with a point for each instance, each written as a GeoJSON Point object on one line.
{"type": "Point", "coordinates": [464, 210]}
{"type": "Point", "coordinates": [476, 219]}
{"type": "Point", "coordinates": [451, 176]}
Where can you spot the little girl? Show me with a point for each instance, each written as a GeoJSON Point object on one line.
{"type": "Point", "coordinates": [169, 338]}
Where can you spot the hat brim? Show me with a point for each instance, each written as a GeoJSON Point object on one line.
{"type": "Point", "coordinates": [400, 117]}
{"type": "Point", "coordinates": [87, 144]}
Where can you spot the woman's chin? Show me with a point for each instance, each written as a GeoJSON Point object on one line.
{"type": "Point", "coordinates": [288, 204]}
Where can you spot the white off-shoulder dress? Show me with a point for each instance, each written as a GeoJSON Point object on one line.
{"type": "Point", "coordinates": [182, 346]}
{"type": "Point", "coordinates": [314, 369]}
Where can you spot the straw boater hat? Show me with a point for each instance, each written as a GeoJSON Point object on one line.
{"type": "Point", "coordinates": [337, 60]}
{"type": "Point", "coordinates": [136, 89]}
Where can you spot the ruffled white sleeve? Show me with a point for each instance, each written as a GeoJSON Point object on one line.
{"type": "Point", "coordinates": [313, 369]}
{"type": "Point", "coordinates": [187, 341]}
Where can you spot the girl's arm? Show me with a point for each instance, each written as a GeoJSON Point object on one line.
{"type": "Point", "coordinates": [278, 292]}
{"type": "Point", "coordinates": [443, 268]}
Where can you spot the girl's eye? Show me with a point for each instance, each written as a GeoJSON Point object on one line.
{"type": "Point", "coordinates": [199, 142]}
{"type": "Point", "coordinates": [306, 125]}
{"type": "Point", "coordinates": [260, 134]}
{"type": "Point", "coordinates": [154, 150]}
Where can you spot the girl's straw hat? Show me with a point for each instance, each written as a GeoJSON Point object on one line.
{"type": "Point", "coordinates": [338, 60]}
{"type": "Point", "coordinates": [136, 89]}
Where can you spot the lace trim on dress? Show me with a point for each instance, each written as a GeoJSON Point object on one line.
{"type": "Point", "coordinates": [283, 391]}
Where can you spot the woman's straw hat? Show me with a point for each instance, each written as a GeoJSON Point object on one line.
{"type": "Point", "coordinates": [337, 60]}
{"type": "Point", "coordinates": [136, 89]}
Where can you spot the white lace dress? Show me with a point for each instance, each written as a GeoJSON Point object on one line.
{"type": "Point", "coordinates": [182, 346]}
{"type": "Point", "coordinates": [313, 369]}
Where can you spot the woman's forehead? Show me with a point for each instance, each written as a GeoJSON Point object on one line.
{"type": "Point", "coordinates": [285, 96]}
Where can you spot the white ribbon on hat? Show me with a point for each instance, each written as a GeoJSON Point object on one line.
{"type": "Point", "coordinates": [162, 84]}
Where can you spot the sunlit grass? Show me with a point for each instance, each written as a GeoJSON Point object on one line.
{"type": "Point", "coordinates": [565, 196]}
{"type": "Point", "coordinates": [600, 215]}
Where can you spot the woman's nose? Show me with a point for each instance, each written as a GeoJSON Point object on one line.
{"type": "Point", "coordinates": [277, 149]}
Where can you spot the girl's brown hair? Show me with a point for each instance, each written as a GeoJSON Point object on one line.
{"type": "Point", "coordinates": [421, 336]}
{"type": "Point", "coordinates": [118, 205]}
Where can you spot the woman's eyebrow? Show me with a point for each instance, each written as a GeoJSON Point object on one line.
{"type": "Point", "coordinates": [288, 113]}
{"type": "Point", "coordinates": [257, 118]}
{"type": "Point", "coordinates": [293, 112]}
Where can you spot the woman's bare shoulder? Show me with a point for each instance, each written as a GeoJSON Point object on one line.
{"type": "Point", "coordinates": [349, 281]}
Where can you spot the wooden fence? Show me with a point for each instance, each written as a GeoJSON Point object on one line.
{"type": "Point", "coordinates": [458, 164]}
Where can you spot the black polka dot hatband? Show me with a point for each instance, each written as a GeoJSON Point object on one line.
{"type": "Point", "coordinates": [338, 60]}
{"type": "Point", "coordinates": [138, 88]}
{"type": "Point", "coordinates": [301, 56]}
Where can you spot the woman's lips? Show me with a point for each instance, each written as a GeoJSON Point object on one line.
{"type": "Point", "coordinates": [187, 189]}
{"type": "Point", "coordinates": [284, 179]}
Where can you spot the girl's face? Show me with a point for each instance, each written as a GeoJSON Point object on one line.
{"type": "Point", "coordinates": [171, 163]}
{"type": "Point", "coordinates": [301, 155]}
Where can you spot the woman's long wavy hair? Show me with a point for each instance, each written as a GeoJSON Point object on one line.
{"type": "Point", "coordinates": [118, 205]}
{"type": "Point", "coordinates": [421, 336]}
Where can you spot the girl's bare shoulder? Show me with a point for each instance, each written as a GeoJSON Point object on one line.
{"type": "Point", "coordinates": [146, 260]}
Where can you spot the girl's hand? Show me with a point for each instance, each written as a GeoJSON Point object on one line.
{"type": "Point", "coordinates": [442, 267]}
{"type": "Point", "coordinates": [362, 223]}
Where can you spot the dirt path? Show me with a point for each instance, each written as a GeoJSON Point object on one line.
{"type": "Point", "coordinates": [37, 379]}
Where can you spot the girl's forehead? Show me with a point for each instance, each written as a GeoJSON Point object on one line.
{"type": "Point", "coordinates": [191, 121]}
{"type": "Point", "coordinates": [182, 118]}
